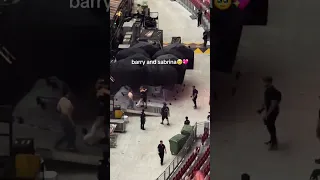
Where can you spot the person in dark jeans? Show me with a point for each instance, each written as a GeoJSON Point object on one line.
{"type": "Point", "coordinates": [161, 151]}
{"type": "Point", "coordinates": [272, 99]}
{"type": "Point", "coordinates": [142, 120]}
{"type": "Point", "coordinates": [194, 96]}
{"type": "Point", "coordinates": [205, 38]}
{"type": "Point", "coordinates": [199, 17]}
{"type": "Point", "coordinates": [65, 108]}
{"type": "Point", "coordinates": [165, 113]}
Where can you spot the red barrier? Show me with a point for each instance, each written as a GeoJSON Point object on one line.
{"type": "Point", "coordinates": [207, 3]}
{"type": "Point", "coordinates": [199, 5]}
{"type": "Point", "coordinates": [208, 16]}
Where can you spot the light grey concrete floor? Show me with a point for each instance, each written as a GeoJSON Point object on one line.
{"type": "Point", "coordinates": [136, 155]}
{"type": "Point", "coordinates": [175, 21]}
{"type": "Point", "coordinates": [286, 49]}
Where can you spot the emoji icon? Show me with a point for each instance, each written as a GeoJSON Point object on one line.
{"type": "Point", "coordinates": [185, 61]}
{"type": "Point", "coordinates": [179, 61]}
{"type": "Point", "coordinates": [243, 4]}
{"type": "Point", "coordinates": [223, 4]}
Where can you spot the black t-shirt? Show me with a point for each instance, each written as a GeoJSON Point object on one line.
{"type": "Point", "coordinates": [103, 102]}
{"type": "Point", "coordinates": [271, 94]}
{"type": "Point", "coordinates": [161, 148]}
{"type": "Point", "coordinates": [143, 94]}
{"type": "Point", "coordinates": [143, 116]}
{"type": "Point", "coordinates": [195, 94]}
{"type": "Point", "coordinates": [199, 14]}
{"type": "Point", "coordinates": [187, 122]}
{"type": "Point", "coordinates": [165, 111]}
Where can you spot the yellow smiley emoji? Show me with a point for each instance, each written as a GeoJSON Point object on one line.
{"type": "Point", "coordinates": [223, 4]}
{"type": "Point", "coordinates": [179, 61]}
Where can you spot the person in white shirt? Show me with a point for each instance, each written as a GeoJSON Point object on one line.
{"type": "Point", "coordinates": [65, 108]}
{"type": "Point", "coordinates": [131, 102]}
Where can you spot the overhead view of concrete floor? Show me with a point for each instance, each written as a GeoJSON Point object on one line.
{"type": "Point", "coordinates": [175, 21]}
{"type": "Point", "coordinates": [135, 156]}
{"type": "Point", "coordinates": [286, 49]}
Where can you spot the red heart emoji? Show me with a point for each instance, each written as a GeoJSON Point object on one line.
{"type": "Point", "coordinates": [185, 61]}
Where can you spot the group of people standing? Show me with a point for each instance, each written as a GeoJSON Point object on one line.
{"type": "Point", "coordinates": [165, 111]}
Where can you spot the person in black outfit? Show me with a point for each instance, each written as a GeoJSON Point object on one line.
{"type": "Point", "coordinates": [142, 120]}
{"type": "Point", "coordinates": [164, 113]}
{"type": "Point", "coordinates": [103, 96]}
{"type": "Point", "coordinates": [143, 97]}
{"type": "Point", "coordinates": [161, 151]}
{"type": "Point", "coordinates": [199, 17]}
{"type": "Point", "coordinates": [205, 38]}
{"type": "Point", "coordinates": [272, 98]}
{"type": "Point", "coordinates": [187, 122]}
{"type": "Point", "coordinates": [194, 96]}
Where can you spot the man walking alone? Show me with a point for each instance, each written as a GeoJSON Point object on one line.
{"type": "Point", "coordinates": [272, 98]}
{"type": "Point", "coordinates": [161, 151]}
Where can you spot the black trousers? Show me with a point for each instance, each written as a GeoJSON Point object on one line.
{"type": "Point", "coordinates": [165, 117]}
{"type": "Point", "coordinates": [142, 124]}
{"type": "Point", "coordinates": [194, 102]}
{"type": "Point", "coordinates": [270, 123]}
{"type": "Point", "coordinates": [205, 42]}
{"type": "Point", "coordinates": [161, 155]}
{"type": "Point", "coordinates": [199, 21]}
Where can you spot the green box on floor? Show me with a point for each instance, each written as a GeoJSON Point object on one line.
{"type": "Point", "coordinates": [187, 130]}
{"type": "Point", "coordinates": [177, 142]}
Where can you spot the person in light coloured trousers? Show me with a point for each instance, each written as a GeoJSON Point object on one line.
{"type": "Point", "coordinates": [131, 102]}
{"type": "Point", "coordinates": [65, 108]}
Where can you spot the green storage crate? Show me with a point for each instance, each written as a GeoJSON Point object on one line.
{"type": "Point", "coordinates": [177, 142]}
{"type": "Point", "coordinates": [187, 130]}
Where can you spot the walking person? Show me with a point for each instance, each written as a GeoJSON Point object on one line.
{"type": "Point", "coordinates": [165, 113]}
{"type": "Point", "coordinates": [142, 120]}
{"type": "Point", "coordinates": [199, 17]}
{"type": "Point", "coordinates": [161, 151]}
{"type": "Point", "coordinates": [131, 102]}
{"type": "Point", "coordinates": [194, 96]}
{"type": "Point", "coordinates": [65, 108]}
{"type": "Point", "coordinates": [272, 99]}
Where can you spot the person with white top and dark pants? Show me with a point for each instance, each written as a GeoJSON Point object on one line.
{"type": "Point", "coordinates": [131, 102]}
{"type": "Point", "coordinates": [65, 108]}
